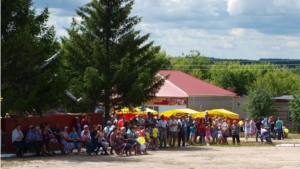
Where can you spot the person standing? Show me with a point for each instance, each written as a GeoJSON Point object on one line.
{"type": "Point", "coordinates": [247, 130]}
{"type": "Point", "coordinates": [206, 118]}
{"type": "Point", "coordinates": [201, 130]}
{"type": "Point", "coordinates": [241, 123]}
{"type": "Point", "coordinates": [77, 126]}
{"type": "Point", "coordinates": [272, 125]}
{"type": "Point", "coordinates": [162, 124]}
{"type": "Point", "coordinates": [173, 124]}
{"type": "Point", "coordinates": [181, 131]}
{"type": "Point", "coordinates": [252, 127]}
{"type": "Point", "coordinates": [215, 130]}
{"type": "Point", "coordinates": [235, 128]}
{"type": "Point", "coordinates": [189, 121]}
{"type": "Point", "coordinates": [225, 130]}
{"type": "Point", "coordinates": [279, 125]}
{"type": "Point", "coordinates": [17, 137]}
{"type": "Point", "coordinates": [121, 122]}
{"type": "Point", "coordinates": [195, 123]}
{"type": "Point", "coordinates": [257, 127]}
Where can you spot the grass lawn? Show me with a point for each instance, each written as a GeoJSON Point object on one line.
{"type": "Point", "coordinates": [294, 136]}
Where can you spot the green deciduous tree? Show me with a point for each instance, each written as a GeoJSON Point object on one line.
{"type": "Point", "coordinates": [259, 103]}
{"type": "Point", "coordinates": [109, 60]}
{"type": "Point", "coordinates": [295, 107]}
{"type": "Point", "coordinates": [278, 81]}
{"type": "Point", "coordinates": [193, 64]}
{"type": "Point", "coordinates": [236, 75]}
{"type": "Point", "coordinates": [26, 42]}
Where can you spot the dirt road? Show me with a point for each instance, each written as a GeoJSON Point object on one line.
{"type": "Point", "coordinates": [173, 158]}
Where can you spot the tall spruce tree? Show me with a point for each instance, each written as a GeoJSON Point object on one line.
{"type": "Point", "coordinates": [113, 63]}
{"type": "Point", "coordinates": [26, 42]}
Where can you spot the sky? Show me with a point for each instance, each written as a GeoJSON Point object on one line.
{"type": "Point", "coordinates": [229, 29]}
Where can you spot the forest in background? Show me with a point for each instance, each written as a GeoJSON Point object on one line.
{"type": "Point", "coordinates": [241, 76]}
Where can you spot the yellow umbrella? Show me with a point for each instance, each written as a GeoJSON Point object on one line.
{"type": "Point", "coordinates": [136, 111]}
{"type": "Point", "coordinates": [220, 113]}
{"type": "Point", "coordinates": [178, 112]}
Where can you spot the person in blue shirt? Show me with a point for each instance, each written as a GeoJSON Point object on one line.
{"type": "Point", "coordinates": [279, 125]}
{"type": "Point", "coordinates": [32, 140]}
{"type": "Point", "coordinates": [192, 134]}
{"type": "Point", "coordinates": [77, 141]}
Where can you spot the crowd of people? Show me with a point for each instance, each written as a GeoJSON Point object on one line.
{"type": "Point", "coordinates": [139, 134]}
{"type": "Point", "coordinates": [263, 129]}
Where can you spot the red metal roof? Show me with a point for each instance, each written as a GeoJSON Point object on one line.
{"type": "Point", "coordinates": [180, 84]}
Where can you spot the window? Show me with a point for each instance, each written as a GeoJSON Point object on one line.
{"type": "Point", "coordinates": [156, 108]}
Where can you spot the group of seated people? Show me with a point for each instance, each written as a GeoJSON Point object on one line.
{"type": "Point", "coordinates": [45, 140]}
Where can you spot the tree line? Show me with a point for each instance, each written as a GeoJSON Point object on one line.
{"type": "Point", "coordinates": [240, 77]}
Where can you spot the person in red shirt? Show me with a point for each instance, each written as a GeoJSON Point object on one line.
{"type": "Point", "coordinates": [201, 130]}
{"type": "Point", "coordinates": [84, 120]}
{"type": "Point", "coordinates": [122, 122]}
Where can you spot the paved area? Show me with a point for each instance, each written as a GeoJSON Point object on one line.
{"type": "Point", "coordinates": [173, 158]}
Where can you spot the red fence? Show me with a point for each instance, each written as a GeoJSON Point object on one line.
{"type": "Point", "coordinates": [8, 124]}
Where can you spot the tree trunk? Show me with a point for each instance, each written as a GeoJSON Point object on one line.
{"type": "Point", "coordinates": [107, 107]}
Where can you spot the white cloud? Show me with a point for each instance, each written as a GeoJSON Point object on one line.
{"type": "Point", "coordinates": [276, 48]}
{"type": "Point", "coordinates": [237, 32]}
{"type": "Point", "coordinates": [262, 7]}
{"type": "Point", "coordinates": [227, 45]}
{"type": "Point", "coordinates": [293, 44]}
{"type": "Point", "coordinates": [217, 28]}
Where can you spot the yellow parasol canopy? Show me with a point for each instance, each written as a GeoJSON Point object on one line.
{"type": "Point", "coordinates": [220, 113]}
{"type": "Point", "coordinates": [136, 110]}
{"type": "Point", "coordinates": [178, 112]}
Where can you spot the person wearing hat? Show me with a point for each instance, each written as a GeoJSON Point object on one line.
{"type": "Point", "coordinates": [17, 137]}
{"type": "Point", "coordinates": [67, 141]}
{"type": "Point", "coordinates": [32, 140]}
{"type": "Point", "coordinates": [206, 119]}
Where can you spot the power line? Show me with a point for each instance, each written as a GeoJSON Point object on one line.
{"type": "Point", "coordinates": [274, 65]}
{"type": "Point", "coordinates": [235, 69]}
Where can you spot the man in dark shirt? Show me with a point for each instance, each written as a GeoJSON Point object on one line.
{"type": "Point", "coordinates": [56, 132]}
{"type": "Point", "coordinates": [95, 134]}
{"type": "Point", "coordinates": [272, 123]}
{"type": "Point", "coordinates": [258, 127]}
{"type": "Point", "coordinates": [189, 124]}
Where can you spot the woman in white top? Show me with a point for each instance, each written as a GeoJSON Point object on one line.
{"type": "Point", "coordinates": [101, 138]}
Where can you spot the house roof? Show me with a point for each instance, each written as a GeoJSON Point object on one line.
{"type": "Point", "coordinates": [180, 84]}
{"type": "Point", "coordinates": [285, 97]}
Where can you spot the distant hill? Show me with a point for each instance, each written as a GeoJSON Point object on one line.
{"type": "Point", "coordinates": [290, 62]}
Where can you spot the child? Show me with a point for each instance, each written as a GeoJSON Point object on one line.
{"type": "Point", "coordinates": [220, 135]}
{"type": "Point", "coordinates": [207, 134]}
{"type": "Point", "coordinates": [154, 137]}
{"type": "Point", "coordinates": [147, 136]}
{"type": "Point", "coordinates": [86, 141]}
{"type": "Point", "coordinates": [85, 136]}
{"type": "Point", "coordinates": [192, 134]}
{"type": "Point", "coordinates": [141, 132]}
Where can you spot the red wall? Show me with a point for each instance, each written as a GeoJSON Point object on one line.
{"type": "Point", "coordinates": [8, 124]}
